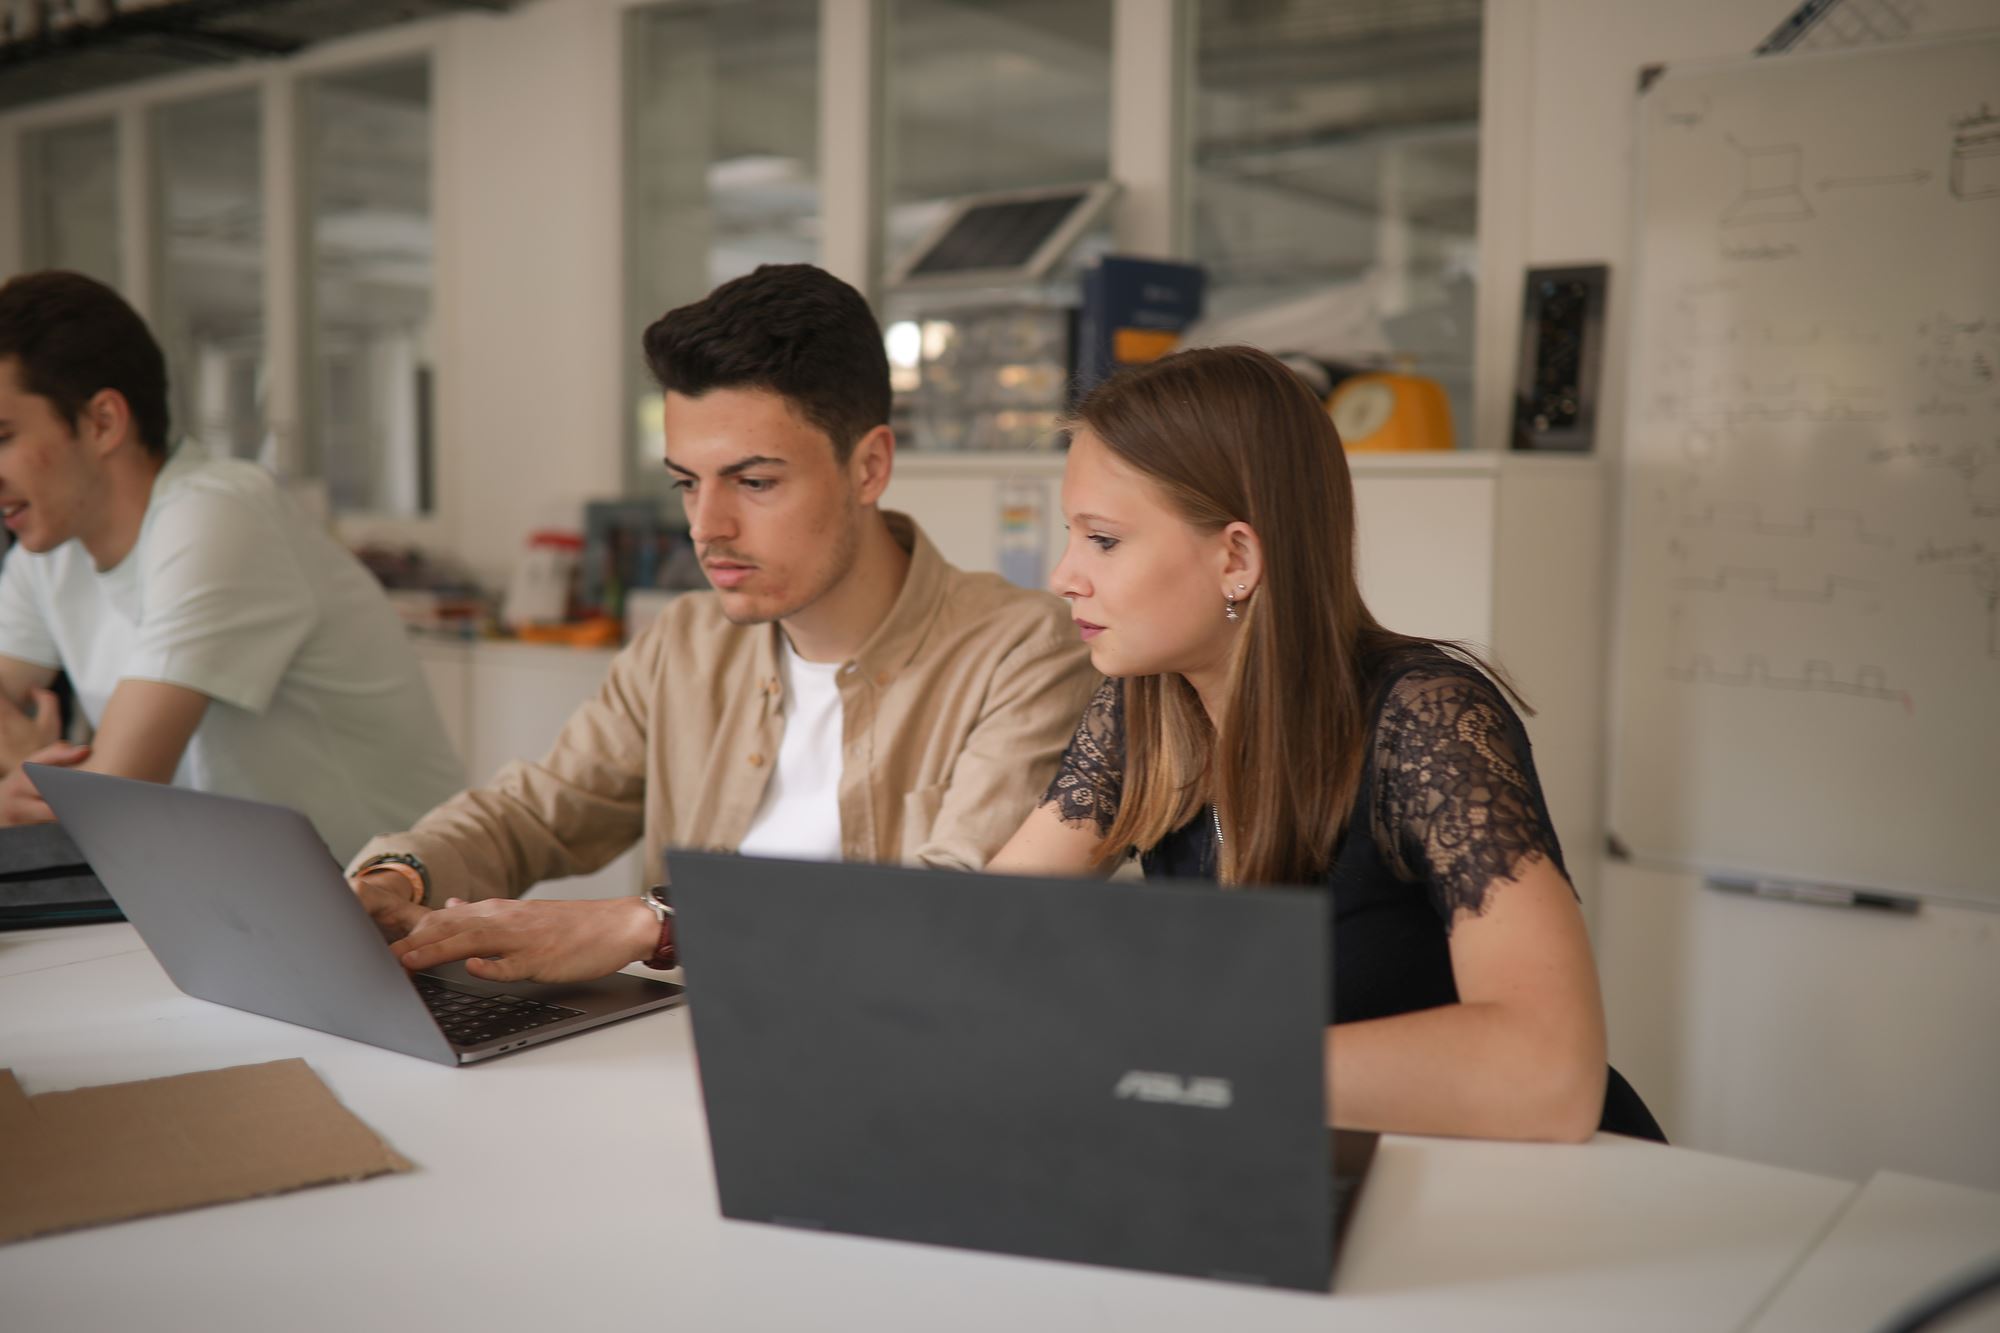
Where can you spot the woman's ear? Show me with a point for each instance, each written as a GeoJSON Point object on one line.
{"type": "Point", "coordinates": [1243, 561]}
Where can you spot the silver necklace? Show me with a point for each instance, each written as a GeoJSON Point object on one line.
{"type": "Point", "coordinates": [1216, 815]}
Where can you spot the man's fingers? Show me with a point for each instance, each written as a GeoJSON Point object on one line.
{"type": "Point", "coordinates": [423, 948]}
{"type": "Point", "coordinates": [503, 968]}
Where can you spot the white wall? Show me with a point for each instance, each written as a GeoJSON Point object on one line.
{"type": "Point", "coordinates": [529, 228]}
{"type": "Point", "coordinates": [1830, 1040]}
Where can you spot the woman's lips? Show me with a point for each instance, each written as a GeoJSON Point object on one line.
{"type": "Point", "coordinates": [1089, 630]}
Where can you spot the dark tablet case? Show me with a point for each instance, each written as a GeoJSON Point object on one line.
{"type": "Point", "coordinates": [44, 881]}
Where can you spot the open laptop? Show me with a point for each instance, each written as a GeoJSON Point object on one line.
{"type": "Point", "coordinates": [243, 905]}
{"type": "Point", "coordinates": [1116, 1074]}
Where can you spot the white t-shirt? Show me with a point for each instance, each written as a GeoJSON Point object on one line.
{"type": "Point", "coordinates": [316, 699]}
{"type": "Point", "coordinates": [800, 814]}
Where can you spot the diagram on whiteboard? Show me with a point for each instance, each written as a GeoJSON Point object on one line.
{"type": "Point", "coordinates": [1975, 156]}
{"type": "Point", "coordinates": [1772, 177]}
{"type": "Point", "coordinates": [1808, 647]}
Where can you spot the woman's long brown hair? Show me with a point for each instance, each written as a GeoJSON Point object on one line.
{"type": "Point", "coordinates": [1230, 434]}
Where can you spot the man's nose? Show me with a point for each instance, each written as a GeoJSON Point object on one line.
{"type": "Point", "coordinates": [709, 518]}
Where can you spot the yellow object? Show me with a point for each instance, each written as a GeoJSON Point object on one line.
{"type": "Point", "coordinates": [1389, 412]}
{"type": "Point", "coordinates": [597, 632]}
{"type": "Point", "coordinates": [1132, 346]}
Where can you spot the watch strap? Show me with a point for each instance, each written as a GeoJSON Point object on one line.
{"type": "Point", "coordinates": [405, 864]}
{"type": "Point", "coordinates": [665, 956]}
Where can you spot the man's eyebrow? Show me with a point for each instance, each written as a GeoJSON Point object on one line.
{"type": "Point", "coordinates": [745, 464]}
{"type": "Point", "coordinates": [739, 466]}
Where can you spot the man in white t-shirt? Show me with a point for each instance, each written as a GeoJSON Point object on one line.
{"type": "Point", "coordinates": [215, 636]}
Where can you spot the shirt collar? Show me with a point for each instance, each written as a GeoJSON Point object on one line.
{"type": "Point", "coordinates": [902, 632]}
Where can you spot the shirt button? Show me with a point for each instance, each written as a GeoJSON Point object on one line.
{"type": "Point", "coordinates": [756, 761]}
{"type": "Point", "coordinates": [881, 678]}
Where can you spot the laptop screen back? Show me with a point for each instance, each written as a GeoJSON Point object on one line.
{"type": "Point", "coordinates": [1112, 1073]}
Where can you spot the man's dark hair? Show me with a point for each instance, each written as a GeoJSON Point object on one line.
{"type": "Point", "coordinates": [791, 329]}
{"type": "Point", "coordinates": [71, 336]}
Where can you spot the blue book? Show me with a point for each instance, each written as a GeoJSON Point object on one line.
{"type": "Point", "coordinates": [1133, 311]}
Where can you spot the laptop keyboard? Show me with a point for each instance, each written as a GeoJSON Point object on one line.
{"type": "Point", "coordinates": [472, 1020]}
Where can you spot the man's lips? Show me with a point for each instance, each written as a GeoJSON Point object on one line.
{"type": "Point", "coordinates": [13, 511]}
{"type": "Point", "coordinates": [727, 573]}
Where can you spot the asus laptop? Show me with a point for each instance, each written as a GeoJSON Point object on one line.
{"type": "Point", "coordinates": [243, 905]}
{"type": "Point", "coordinates": [1115, 1074]}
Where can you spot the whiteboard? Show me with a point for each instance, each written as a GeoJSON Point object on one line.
{"type": "Point", "coordinates": [1807, 661]}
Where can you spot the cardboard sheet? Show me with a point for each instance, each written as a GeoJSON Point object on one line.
{"type": "Point", "coordinates": [125, 1150]}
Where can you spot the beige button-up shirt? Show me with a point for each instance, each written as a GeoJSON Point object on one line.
{"type": "Point", "coordinates": [954, 713]}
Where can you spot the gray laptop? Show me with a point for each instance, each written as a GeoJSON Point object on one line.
{"type": "Point", "coordinates": [1115, 1073]}
{"type": "Point", "coordinates": [243, 905]}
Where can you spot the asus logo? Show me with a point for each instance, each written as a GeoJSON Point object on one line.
{"type": "Point", "coordinates": [1143, 1085]}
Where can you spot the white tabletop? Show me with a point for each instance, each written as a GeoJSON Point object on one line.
{"type": "Point", "coordinates": [570, 1184]}
{"type": "Point", "coordinates": [1896, 1239]}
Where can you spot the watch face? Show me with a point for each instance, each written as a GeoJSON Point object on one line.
{"type": "Point", "coordinates": [1361, 409]}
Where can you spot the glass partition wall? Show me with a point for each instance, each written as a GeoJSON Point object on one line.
{"type": "Point", "coordinates": [369, 256]}
{"type": "Point", "coordinates": [209, 317]}
{"type": "Point", "coordinates": [1335, 179]}
{"type": "Point", "coordinates": [1325, 153]}
{"type": "Point", "coordinates": [70, 200]}
{"type": "Point", "coordinates": [722, 151]}
{"type": "Point", "coordinates": [361, 277]}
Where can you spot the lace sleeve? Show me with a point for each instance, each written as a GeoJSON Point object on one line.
{"type": "Point", "coordinates": [1456, 802]}
{"type": "Point", "coordinates": [1091, 777]}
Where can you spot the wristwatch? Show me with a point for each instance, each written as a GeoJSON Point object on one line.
{"type": "Point", "coordinates": [411, 866]}
{"type": "Point", "coordinates": [665, 957]}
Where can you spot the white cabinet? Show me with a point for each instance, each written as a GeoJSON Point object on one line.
{"type": "Point", "coordinates": [505, 701]}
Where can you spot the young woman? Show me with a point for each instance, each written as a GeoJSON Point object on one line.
{"type": "Point", "coordinates": [1260, 727]}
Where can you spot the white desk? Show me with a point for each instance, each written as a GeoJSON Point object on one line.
{"type": "Point", "coordinates": [569, 1186]}
{"type": "Point", "coordinates": [1897, 1238]}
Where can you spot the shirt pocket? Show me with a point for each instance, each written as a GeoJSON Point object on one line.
{"type": "Point", "coordinates": [920, 812]}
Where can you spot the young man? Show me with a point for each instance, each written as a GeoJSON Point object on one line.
{"type": "Point", "coordinates": [842, 693]}
{"type": "Point", "coordinates": [215, 638]}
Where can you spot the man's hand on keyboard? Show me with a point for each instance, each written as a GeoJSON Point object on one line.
{"type": "Point", "coordinates": [504, 939]}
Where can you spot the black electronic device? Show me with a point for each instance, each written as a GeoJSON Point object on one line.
{"type": "Point", "coordinates": [45, 881]}
{"type": "Point", "coordinates": [1562, 351]}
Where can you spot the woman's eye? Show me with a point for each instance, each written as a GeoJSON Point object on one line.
{"type": "Point", "coordinates": [1104, 543]}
